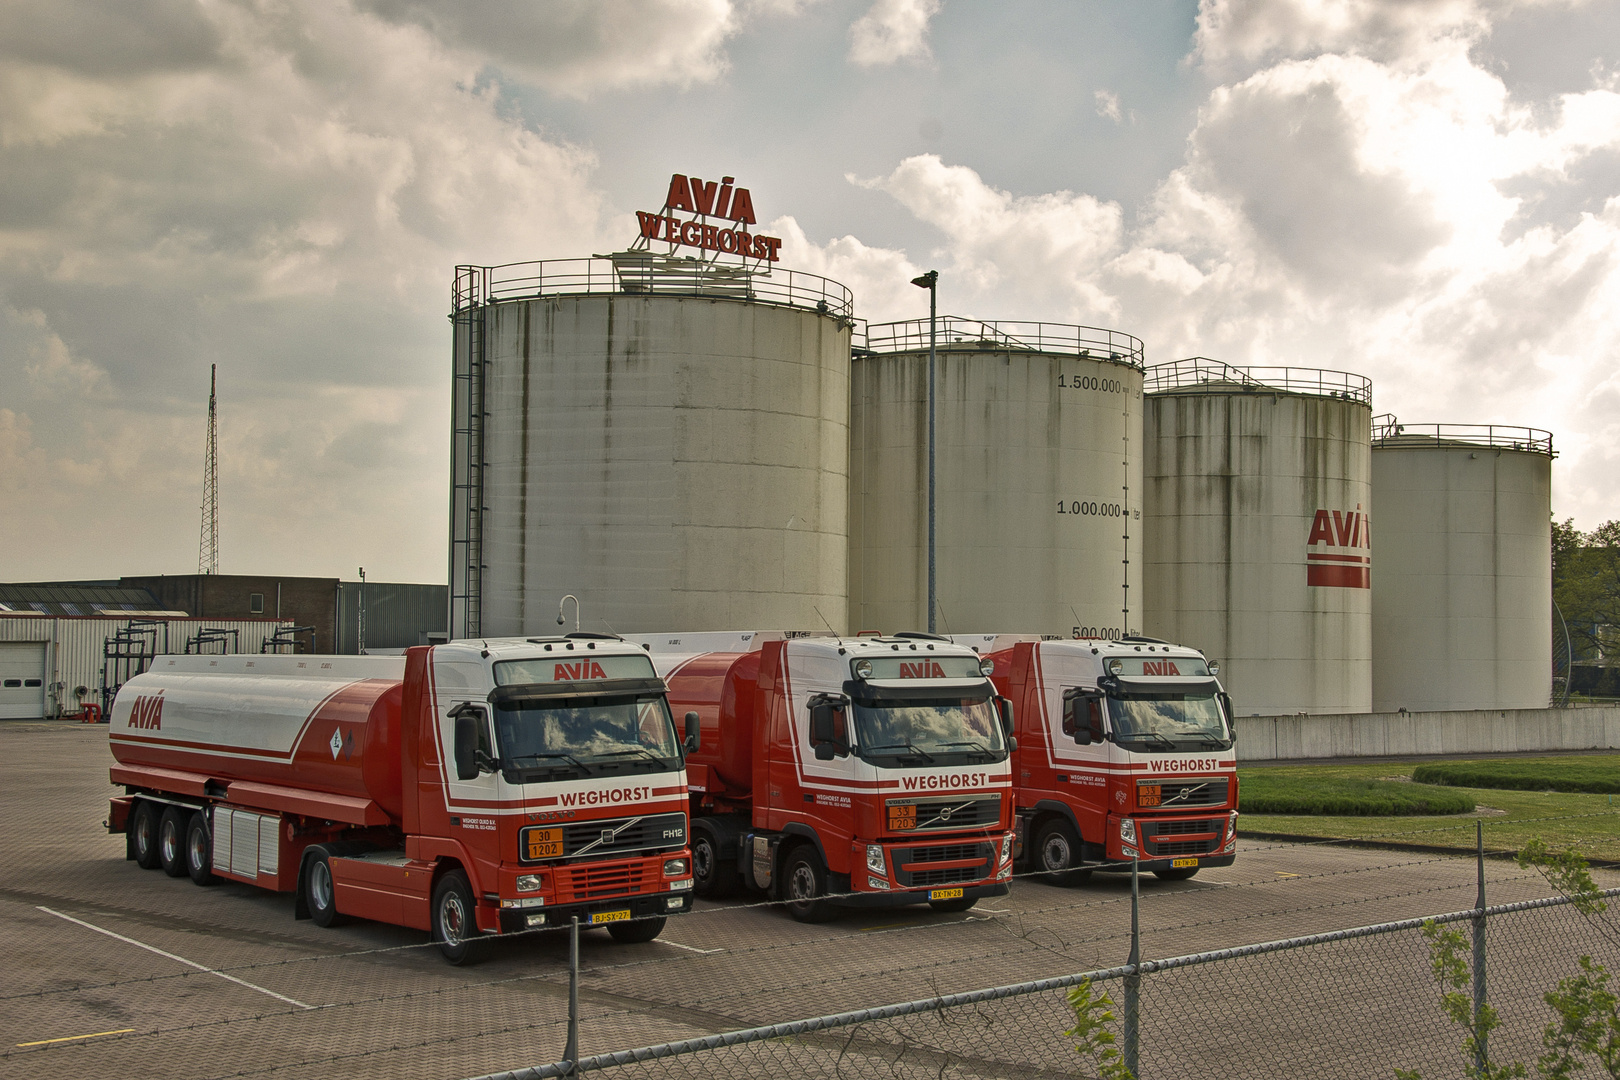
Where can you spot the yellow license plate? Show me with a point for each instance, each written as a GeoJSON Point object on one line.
{"type": "Point", "coordinates": [1179, 863]}
{"type": "Point", "coordinates": [610, 916]}
{"type": "Point", "coordinates": [945, 894]}
{"type": "Point", "coordinates": [543, 843]}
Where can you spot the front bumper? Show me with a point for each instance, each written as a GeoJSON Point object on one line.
{"type": "Point", "coordinates": [1146, 866]}
{"type": "Point", "coordinates": [640, 906]}
{"type": "Point", "coordinates": [903, 897]}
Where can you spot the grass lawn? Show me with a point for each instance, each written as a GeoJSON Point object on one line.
{"type": "Point", "coordinates": [1598, 775]}
{"type": "Point", "coordinates": [1510, 816]}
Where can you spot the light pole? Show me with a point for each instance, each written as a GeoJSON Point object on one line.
{"type": "Point", "coordinates": [360, 616]}
{"type": "Point", "coordinates": [930, 281]}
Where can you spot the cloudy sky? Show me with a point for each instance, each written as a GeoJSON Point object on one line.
{"type": "Point", "coordinates": [1423, 191]}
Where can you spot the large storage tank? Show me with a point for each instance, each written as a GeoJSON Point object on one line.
{"type": "Point", "coordinates": [1257, 511]}
{"type": "Point", "coordinates": [663, 438]}
{"type": "Point", "coordinates": [1463, 584]}
{"type": "Point", "coordinates": [1038, 465]}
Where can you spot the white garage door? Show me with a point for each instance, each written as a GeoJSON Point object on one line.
{"type": "Point", "coordinates": [22, 680]}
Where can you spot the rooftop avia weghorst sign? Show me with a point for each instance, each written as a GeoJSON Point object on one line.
{"type": "Point", "coordinates": [705, 200]}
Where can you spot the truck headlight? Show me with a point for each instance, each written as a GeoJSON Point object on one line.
{"type": "Point", "coordinates": [874, 859]}
{"type": "Point", "coordinates": [530, 882]}
{"type": "Point", "coordinates": [1127, 830]}
{"type": "Point", "coordinates": [1006, 847]}
{"type": "Point", "coordinates": [676, 868]}
{"type": "Point", "coordinates": [876, 883]}
{"type": "Point", "coordinates": [1231, 831]}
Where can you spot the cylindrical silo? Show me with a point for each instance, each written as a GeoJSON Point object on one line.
{"type": "Point", "coordinates": [1463, 583]}
{"type": "Point", "coordinates": [1258, 546]}
{"type": "Point", "coordinates": [1038, 466]}
{"type": "Point", "coordinates": [663, 438]}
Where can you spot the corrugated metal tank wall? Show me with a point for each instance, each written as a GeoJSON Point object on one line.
{"type": "Point", "coordinates": [1463, 584]}
{"type": "Point", "coordinates": [1038, 464]}
{"type": "Point", "coordinates": [1258, 502]}
{"type": "Point", "coordinates": [674, 461]}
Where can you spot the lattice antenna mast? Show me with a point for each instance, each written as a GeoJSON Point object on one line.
{"type": "Point", "coordinates": [208, 558]}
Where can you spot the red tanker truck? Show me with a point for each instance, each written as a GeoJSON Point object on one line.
{"type": "Point", "coordinates": [865, 772]}
{"type": "Point", "coordinates": [465, 789]}
{"type": "Point", "coordinates": [1125, 751]}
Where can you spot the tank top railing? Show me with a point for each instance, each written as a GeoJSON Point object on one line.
{"type": "Point", "coordinates": [956, 334]}
{"type": "Point", "coordinates": [1387, 430]}
{"type": "Point", "coordinates": [1200, 372]}
{"type": "Point", "coordinates": [643, 273]}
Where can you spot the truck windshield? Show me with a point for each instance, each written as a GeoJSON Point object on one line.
{"type": "Point", "coordinates": [1169, 721]}
{"type": "Point", "coordinates": [591, 735]}
{"type": "Point", "coordinates": [911, 734]}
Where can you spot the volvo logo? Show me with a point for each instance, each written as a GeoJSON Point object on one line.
{"type": "Point", "coordinates": [607, 836]}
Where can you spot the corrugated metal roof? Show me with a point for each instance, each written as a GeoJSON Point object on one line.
{"type": "Point", "coordinates": [75, 598]}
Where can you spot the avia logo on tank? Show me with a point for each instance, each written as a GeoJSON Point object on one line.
{"type": "Point", "coordinates": [147, 712]}
{"type": "Point", "coordinates": [1338, 554]}
{"type": "Point", "coordinates": [703, 200]}
{"type": "Point", "coordinates": [1160, 667]}
{"type": "Point", "coordinates": [924, 669]}
{"type": "Point", "coordinates": [949, 780]}
{"type": "Point", "coordinates": [585, 669]}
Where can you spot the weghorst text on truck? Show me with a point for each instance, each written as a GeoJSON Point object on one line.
{"type": "Point", "coordinates": [843, 772]}
{"type": "Point", "coordinates": [1125, 752]}
{"type": "Point", "coordinates": [469, 789]}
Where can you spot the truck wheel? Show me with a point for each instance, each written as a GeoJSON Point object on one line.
{"type": "Point", "coordinates": [199, 851]}
{"type": "Point", "coordinates": [804, 882]}
{"type": "Point", "coordinates": [320, 896]}
{"type": "Point", "coordinates": [1173, 874]}
{"type": "Point", "coordinates": [1057, 850]}
{"type": "Point", "coordinates": [455, 919]}
{"type": "Point", "coordinates": [961, 904]}
{"type": "Point", "coordinates": [711, 878]}
{"type": "Point", "coordinates": [171, 840]}
{"type": "Point", "coordinates": [631, 933]}
{"type": "Point", "coordinates": [143, 834]}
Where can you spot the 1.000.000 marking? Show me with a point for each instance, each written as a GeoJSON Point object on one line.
{"type": "Point", "coordinates": [1090, 509]}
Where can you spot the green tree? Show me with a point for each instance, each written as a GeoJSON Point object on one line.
{"type": "Point", "coordinates": [1586, 582]}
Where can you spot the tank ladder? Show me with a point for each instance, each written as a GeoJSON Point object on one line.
{"type": "Point", "coordinates": [467, 461]}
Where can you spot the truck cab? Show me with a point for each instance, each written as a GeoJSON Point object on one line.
{"type": "Point", "coordinates": [845, 772]}
{"type": "Point", "coordinates": [1125, 753]}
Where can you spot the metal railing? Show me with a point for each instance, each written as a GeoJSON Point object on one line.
{"type": "Point", "coordinates": [956, 333]}
{"type": "Point", "coordinates": [1387, 430]}
{"type": "Point", "coordinates": [1202, 373]}
{"type": "Point", "coordinates": [643, 273]}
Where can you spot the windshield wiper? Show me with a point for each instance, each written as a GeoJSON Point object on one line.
{"type": "Point", "coordinates": [976, 744]}
{"type": "Point", "coordinates": [903, 745]}
{"type": "Point", "coordinates": [1145, 735]}
{"type": "Point", "coordinates": [572, 760]}
{"type": "Point", "coordinates": [634, 750]}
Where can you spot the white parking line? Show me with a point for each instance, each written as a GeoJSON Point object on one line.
{"type": "Point", "coordinates": [171, 956]}
{"type": "Point", "coordinates": [689, 948]}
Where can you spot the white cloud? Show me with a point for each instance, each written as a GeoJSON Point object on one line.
{"type": "Point", "coordinates": [892, 30]}
{"type": "Point", "coordinates": [1108, 106]}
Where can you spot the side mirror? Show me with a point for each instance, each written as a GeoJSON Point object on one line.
{"type": "Point", "coordinates": [1004, 709]}
{"type": "Point", "coordinates": [1231, 721]}
{"type": "Point", "coordinates": [694, 734]}
{"type": "Point", "coordinates": [1012, 744]}
{"type": "Point", "coordinates": [467, 746]}
{"type": "Point", "coordinates": [1082, 736]}
{"type": "Point", "coordinates": [825, 751]}
{"type": "Point", "coordinates": [821, 725]}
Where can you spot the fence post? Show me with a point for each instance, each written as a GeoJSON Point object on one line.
{"type": "Point", "coordinates": [1481, 1054]}
{"type": "Point", "coordinates": [1133, 981]}
{"type": "Point", "coordinates": [571, 1051]}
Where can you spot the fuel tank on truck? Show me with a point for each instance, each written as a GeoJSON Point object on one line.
{"type": "Point", "coordinates": [317, 723]}
{"type": "Point", "coordinates": [704, 669]}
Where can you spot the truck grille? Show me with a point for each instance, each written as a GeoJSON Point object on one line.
{"type": "Point", "coordinates": [1183, 837]}
{"type": "Point", "coordinates": [958, 812]}
{"type": "Point", "coordinates": [604, 838]}
{"type": "Point", "coordinates": [1173, 794]}
{"type": "Point", "coordinates": [982, 858]}
{"type": "Point", "coordinates": [591, 882]}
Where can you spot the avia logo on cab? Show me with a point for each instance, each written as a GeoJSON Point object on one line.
{"type": "Point", "coordinates": [585, 669]}
{"type": "Point", "coordinates": [924, 669]}
{"type": "Point", "coordinates": [147, 712]}
{"type": "Point", "coordinates": [949, 780]}
{"type": "Point", "coordinates": [1347, 568]}
{"type": "Point", "coordinates": [1160, 667]}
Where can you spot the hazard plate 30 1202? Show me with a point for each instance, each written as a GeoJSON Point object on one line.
{"type": "Point", "coordinates": [945, 894]}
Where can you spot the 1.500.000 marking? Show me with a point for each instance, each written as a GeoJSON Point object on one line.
{"type": "Point", "coordinates": [1091, 509]}
{"type": "Point", "coordinates": [1090, 382]}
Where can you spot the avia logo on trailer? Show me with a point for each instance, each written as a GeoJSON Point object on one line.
{"type": "Point", "coordinates": [1345, 559]}
{"type": "Point", "coordinates": [703, 200]}
{"type": "Point", "coordinates": [147, 712]}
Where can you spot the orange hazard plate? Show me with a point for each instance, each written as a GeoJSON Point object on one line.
{"type": "Point", "coordinates": [611, 916]}
{"type": "Point", "coordinates": [945, 894]}
{"type": "Point", "coordinates": [1179, 863]}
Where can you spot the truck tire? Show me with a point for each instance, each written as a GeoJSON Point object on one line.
{"type": "Point", "coordinates": [320, 894]}
{"type": "Point", "coordinates": [455, 919]}
{"type": "Point", "coordinates": [712, 878]}
{"type": "Point", "coordinates": [171, 840]}
{"type": "Point", "coordinates": [1174, 874]}
{"type": "Point", "coordinates": [199, 851]}
{"type": "Point", "coordinates": [631, 933]}
{"type": "Point", "coordinates": [143, 834]}
{"type": "Point", "coordinates": [1056, 851]}
{"type": "Point", "coordinates": [961, 904]}
{"type": "Point", "coordinates": [804, 884]}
